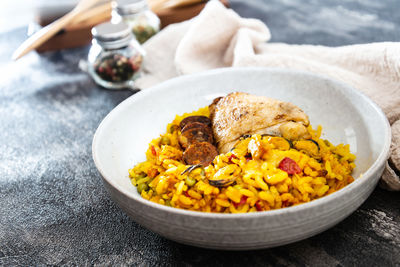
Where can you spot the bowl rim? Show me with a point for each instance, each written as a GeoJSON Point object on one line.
{"type": "Point", "coordinates": [357, 183]}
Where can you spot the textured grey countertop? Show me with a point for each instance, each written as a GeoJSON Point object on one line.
{"type": "Point", "coordinates": [54, 209]}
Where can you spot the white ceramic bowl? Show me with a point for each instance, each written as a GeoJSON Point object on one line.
{"type": "Point", "coordinates": [346, 115]}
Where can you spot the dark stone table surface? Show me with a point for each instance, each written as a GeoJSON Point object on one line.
{"type": "Point", "coordinates": [54, 209]}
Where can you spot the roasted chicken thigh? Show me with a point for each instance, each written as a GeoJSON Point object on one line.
{"type": "Point", "coordinates": [239, 114]}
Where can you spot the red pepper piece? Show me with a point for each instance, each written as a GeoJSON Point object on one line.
{"type": "Point", "coordinates": [153, 151]}
{"type": "Point", "coordinates": [258, 206]}
{"type": "Point", "coordinates": [232, 157]}
{"type": "Point", "coordinates": [242, 201]}
{"type": "Point", "coordinates": [152, 173]}
{"type": "Point", "coordinates": [290, 166]}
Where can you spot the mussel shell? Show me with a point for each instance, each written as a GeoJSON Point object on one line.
{"type": "Point", "coordinates": [191, 168]}
{"type": "Point", "coordinates": [222, 182]}
{"type": "Point", "coordinates": [315, 142]}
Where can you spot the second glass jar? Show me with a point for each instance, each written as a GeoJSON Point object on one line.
{"type": "Point", "coordinates": [138, 16]}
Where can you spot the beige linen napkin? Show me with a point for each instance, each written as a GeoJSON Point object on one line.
{"type": "Point", "coordinates": [218, 37]}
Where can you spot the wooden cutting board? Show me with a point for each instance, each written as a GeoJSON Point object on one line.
{"type": "Point", "coordinates": [80, 35]}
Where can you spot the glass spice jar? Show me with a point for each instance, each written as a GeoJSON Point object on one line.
{"type": "Point", "coordinates": [115, 56]}
{"type": "Point", "coordinates": [143, 22]}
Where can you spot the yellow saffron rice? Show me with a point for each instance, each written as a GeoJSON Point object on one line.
{"type": "Point", "coordinates": [259, 184]}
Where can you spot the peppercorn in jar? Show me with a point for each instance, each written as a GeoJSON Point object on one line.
{"type": "Point", "coordinates": [115, 57]}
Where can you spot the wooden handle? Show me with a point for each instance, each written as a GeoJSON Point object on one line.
{"type": "Point", "coordinates": [180, 3]}
{"type": "Point", "coordinates": [50, 30]}
{"type": "Point", "coordinates": [42, 36]}
{"type": "Point", "coordinates": [158, 5]}
{"type": "Point", "coordinates": [93, 16]}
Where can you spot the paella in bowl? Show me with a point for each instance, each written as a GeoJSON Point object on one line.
{"type": "Point", "coordinates": [347, 117]}
{"type": "Point", "coordinates": [265, 168]}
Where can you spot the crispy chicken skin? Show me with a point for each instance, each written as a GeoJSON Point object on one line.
{"type": "Point", "coordinates": [239, 114]}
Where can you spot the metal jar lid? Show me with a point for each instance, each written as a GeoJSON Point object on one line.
{"type": "Point", "coordinates": [112, 36]}
{"type": "Point", "coordinates": [129, 7]}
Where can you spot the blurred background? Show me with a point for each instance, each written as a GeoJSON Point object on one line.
{"type": "Point", "coordinates": [361, 20]}
{"type": "Point", "coordinates": [17, 13]}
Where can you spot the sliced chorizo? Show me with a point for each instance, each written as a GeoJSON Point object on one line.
{"type": "Point", "coordinates": [201, 119]}
{"type": "Point", "coordinates": [200, 153]}
{"type": "Point", "coordinates": [192, 125]}
{"type": "Point", "coordinates": [195, 135]}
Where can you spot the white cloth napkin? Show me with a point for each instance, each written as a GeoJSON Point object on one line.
{"type": "Point", "coordinates": [218, 37]}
